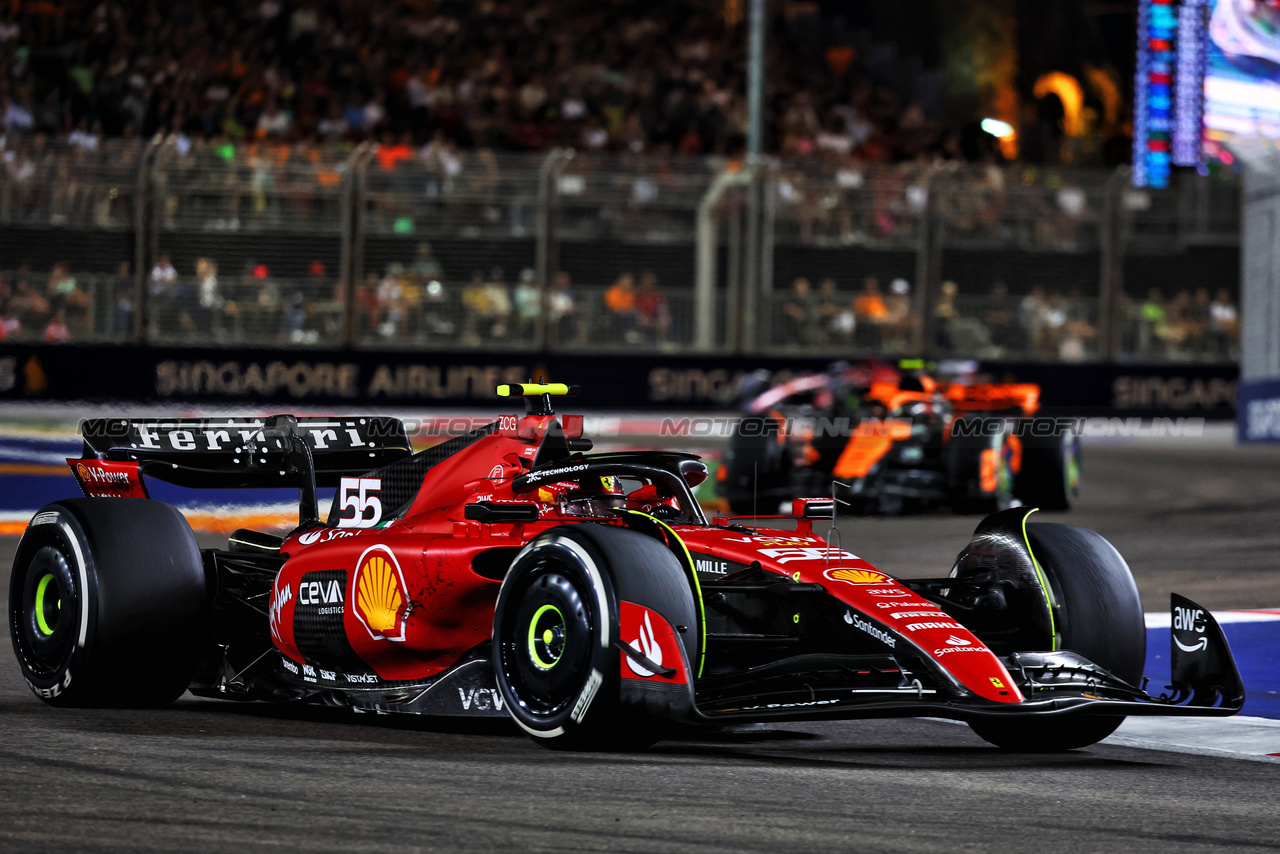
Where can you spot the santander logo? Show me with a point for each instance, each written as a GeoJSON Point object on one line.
{"type": "Point", "coordinates": [955, 644]}
{"type": "Point", "coordinates": [648, 645]}
{"type": "Point", "coordinates": [315, 535]}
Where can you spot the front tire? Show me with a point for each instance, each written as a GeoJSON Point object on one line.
{"type": "Point", "coordinates": [556, 629]}
{"type": "Point", "coordinates": [1099, 615]}
{"type": "Point", "coordinates": [107, 603]}
{"type": "Point", "coordinates": [553, 632]}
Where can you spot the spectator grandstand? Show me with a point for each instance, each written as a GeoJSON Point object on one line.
{"type": "Point", "coordinates": [229, 172]}
{"type": "Point", "coordinates": [588, 74]}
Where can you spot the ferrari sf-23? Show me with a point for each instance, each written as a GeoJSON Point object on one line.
{"type": "Point", "coordinates": [510, 572]}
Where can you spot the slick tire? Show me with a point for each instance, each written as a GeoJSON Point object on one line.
{"type": "Point", "coordinates": [1099, 615]}
{"type": "Point", "coordinates": [108, 603]}
{"type": "Point", "coordinates": [1050, 473]}
{"type": "Point", "coordinates": [555, 628]}
{"type": "Point", "coordinates": [979, 470]}
{"type": "Point", "coordinates": [759, 467]}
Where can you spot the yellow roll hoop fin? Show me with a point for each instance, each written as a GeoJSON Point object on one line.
{"type": "Point", "coordinates": [528, 389]}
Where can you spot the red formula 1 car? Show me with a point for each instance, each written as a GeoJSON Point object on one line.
{"type": "Point", "coordinates": [894, 438]}
{"type": "Point", "coordinates": [509, 572]}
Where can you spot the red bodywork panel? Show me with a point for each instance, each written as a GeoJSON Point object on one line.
{"type": "Point", "coordinates": [806, 557]}
{"type": "Point", "coordinates": [993, 397]}
{"type": "Point", "coordinates": [647, 632]}
{"type": "Point", "coordinates": [411, 603]}
{"type": "Point", "coordinates": [414, 596]}
{"type": "Point", "coordinates": [107, 479]}
{"type": "Point", "coordinates": [411, 606]}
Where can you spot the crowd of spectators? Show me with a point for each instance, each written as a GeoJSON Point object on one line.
{"type": "Point", "coordinates": [1044, 323]}
{"type": "Point", "coordinates": [419, 303]}
{"type": "Point", "coordinates": [1065, 325]}
{"type": "Point", "coordinates": [409, 304]}
{"type": "Point", "coordinates": [58, 307]}
{"type": "Point", "coordinates": [253, 306]}
{"type": "Point", "coordinates": [871, 320]}
{"type": "Point", "coordinates": [1188, 324]}
{"type": "Point", "coordinates": [595, 75]}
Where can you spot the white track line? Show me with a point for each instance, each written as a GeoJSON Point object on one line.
{"type": "Point", "coordinates": [1236, 737]}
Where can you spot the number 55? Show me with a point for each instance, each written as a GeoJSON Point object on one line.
{"type": "Point", "coordinates": [366, 508]}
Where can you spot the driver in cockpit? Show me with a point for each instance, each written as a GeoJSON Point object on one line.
{"type": "Point", "coordinates": [605, 497]}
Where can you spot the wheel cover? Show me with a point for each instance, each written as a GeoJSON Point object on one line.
{"type": "Point", "coordinates": [44, 617]}
{"type": "Point", "coordinates": [546, 641]}
{"type": "Point", "coordinates": [546, 637]}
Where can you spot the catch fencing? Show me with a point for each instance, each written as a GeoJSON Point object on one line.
{"type": "Point", "coordinates": [213, 243]}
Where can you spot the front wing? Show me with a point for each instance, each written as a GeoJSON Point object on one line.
{"type": "Point", "coordinates": [1204, 683]}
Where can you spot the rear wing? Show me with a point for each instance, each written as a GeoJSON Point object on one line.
{"type": "Point", "coordinates": [253, 453]}
{"type": "Point", "coordinates": [993, 397]}
{"type": "Point", "coordinates": [246, 452]}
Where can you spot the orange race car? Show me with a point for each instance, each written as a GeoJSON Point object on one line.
{"type": "Point", "coordinates": [888, 439]}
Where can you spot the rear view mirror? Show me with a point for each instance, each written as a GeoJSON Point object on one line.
{"type": "Point", "coordinates": [813, 508]}
{"type": "Point", "coordinates": [694, 472]}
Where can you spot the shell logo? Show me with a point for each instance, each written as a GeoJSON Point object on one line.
{"type": "Point", "coordinates": [83, 471]}
{"type": "Point", "coordinates": [378, 591]}
{"type": "Point", "coordinates": [857, 576]}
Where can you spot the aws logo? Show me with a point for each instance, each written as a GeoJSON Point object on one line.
{"type": "Point", "coordinates": [378, 593]}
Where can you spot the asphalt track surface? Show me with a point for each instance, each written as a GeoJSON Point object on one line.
{"type": "Point", "coordinates": [207, 775]}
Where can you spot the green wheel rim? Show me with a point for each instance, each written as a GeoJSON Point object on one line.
{"type": "Point", "coordinates": [546, 637]}
{"type": "Point", "coordinates": [41, 621]}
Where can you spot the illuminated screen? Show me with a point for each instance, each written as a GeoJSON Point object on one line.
{"type": "Point", "coordinates": [1242, 75]}
{"type": "Point", "coordinates": [1153, 105]}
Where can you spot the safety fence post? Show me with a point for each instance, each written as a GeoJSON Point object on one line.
{"type": "Point", "coordinates": [547, 245]}
{"type": "Point", "coordinates": [1111, 274]}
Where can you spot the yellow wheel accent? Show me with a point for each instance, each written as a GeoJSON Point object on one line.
{"type": "Point", "coordinates": [546, 647]}
{"type": "Point", "coordinates": [45, 628]}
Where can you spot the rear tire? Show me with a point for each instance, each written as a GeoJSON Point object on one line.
{"type": "Point", "coordinates": [1050, 474]}
{"type": "Point", "coordinates": [1099, 615]}
{"type": "Point", "coordinates": [979, 477]}
{"type": "Point", "coordinates": [107, 603]}
{"type": "Point", "coordinates": [759, 467]}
